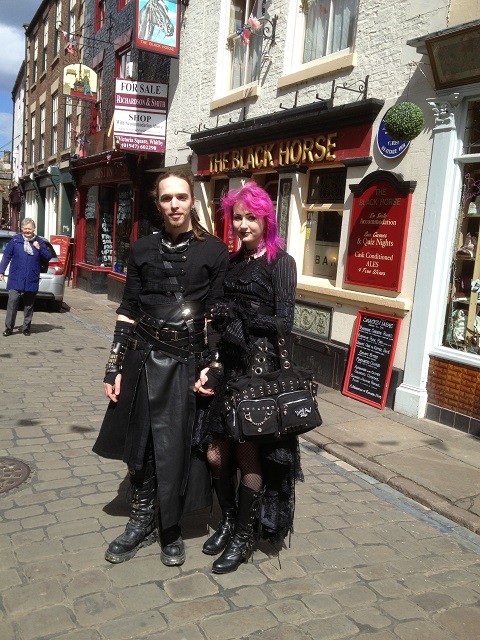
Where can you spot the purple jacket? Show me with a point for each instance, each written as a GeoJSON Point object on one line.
{"type": "Point", "coordinates": [24, 273]}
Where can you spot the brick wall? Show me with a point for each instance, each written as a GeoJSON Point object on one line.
{"type": "Point", "coordinates": [454, 386]}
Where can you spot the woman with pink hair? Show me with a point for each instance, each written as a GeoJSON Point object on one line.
{"type": "Point", "coordinates": [259, 288]}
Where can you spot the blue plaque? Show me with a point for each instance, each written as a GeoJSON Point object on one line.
{"type": "Point", "coordinates": [387, 146]}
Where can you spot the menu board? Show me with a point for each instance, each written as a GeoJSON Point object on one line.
{"type": "Point", "coordinates": [370, 362]}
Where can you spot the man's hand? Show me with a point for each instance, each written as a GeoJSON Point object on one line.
{"type": "Point", "coordinates": [112, 391]}
{"type": "Point", "coordinates": [36, 245]}
{"type": "Point", "coordinates": [1, 276]}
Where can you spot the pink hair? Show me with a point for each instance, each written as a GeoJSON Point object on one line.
{"type": "Point", "coordinates": [258, 202]}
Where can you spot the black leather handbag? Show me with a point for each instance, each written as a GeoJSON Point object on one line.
{"type": "Point", "coordinates": [272, 405]}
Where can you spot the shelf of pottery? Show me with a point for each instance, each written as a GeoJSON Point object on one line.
{"type": "Point", "coordinates": [464, 326]}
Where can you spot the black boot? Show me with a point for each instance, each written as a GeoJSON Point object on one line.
{"type": "Point", "coordinates": [173, 550]}
{"type": "Point", "coordinates": [225, 490]}
{"type": "Point", "coordinates": [239, 548]}
{"type": "Point", "coordinates": [140, 530]}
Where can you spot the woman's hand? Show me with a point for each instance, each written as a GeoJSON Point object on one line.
{"type": "Point", "coordinates": [203, 379]}
{"type": "Point", "coordinates": [112, 391]}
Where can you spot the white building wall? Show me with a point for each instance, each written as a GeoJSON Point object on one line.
{"type": "Point", "coordinates": [396, 72]}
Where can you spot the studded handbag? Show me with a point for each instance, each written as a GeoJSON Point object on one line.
{"type": "Point", "coordinates": [271, 405]}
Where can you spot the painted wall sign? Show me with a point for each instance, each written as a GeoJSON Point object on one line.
{"type": "Point", "coordinates": [158, 26]}
{"type": "Point", "coordinates": [79, 81]}
{"type": "Point", "coordinates": [140, 115]}
{"type": "Point", "coordinates": [378, 231]}
{"type": "Point", "coordinates": [320, 148]}
{"type": "Point", "coordinates": [370, 363]}
{"type": "Point", "coordinates": [387, 146]}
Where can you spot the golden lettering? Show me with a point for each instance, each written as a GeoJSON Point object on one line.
{"type": "Point", "coordinates": [258, 162]}
{"type": "Point", "coordinates": [250, 164]}
{"type": "Point", "coordinates": [267, 155]}
{"type": "Point", "coordinates": [295, 151]}
{"type": "Point", "coordinates": [307, 150]}
{"type": "Point", "coordinates": [320, 148]}
{"type": "Point", "coordinates": [283, 153]}
{"type": "Point", "coordinates": [236, 161]}
{"type": "Point", "coordinates": [330, 146]}
{"type": "Point", "coordinates": [225, 155]}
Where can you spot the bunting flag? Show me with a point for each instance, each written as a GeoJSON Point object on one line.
{"type": "Point", "coordinates": [65, 36]}
{"type": "Point", "coordinates": [70, 47]}
{"type": "Point", "coordinates": [254, 22]}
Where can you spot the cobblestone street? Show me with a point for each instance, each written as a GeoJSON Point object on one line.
{"type": "Point", "coordinates": [365, 561]}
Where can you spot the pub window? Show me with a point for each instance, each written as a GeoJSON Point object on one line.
{"type": "Point", "coordinates": [323, 213]}
{"type": "Point", "coordinates": [220, 188]}
{"type": "Point", "coordinates": [245, 47]}
{"type": "Point", "coordinates": [329, 27]}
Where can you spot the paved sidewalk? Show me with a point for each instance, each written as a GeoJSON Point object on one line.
{"type": "Point", "coordinates": [436, 465]}
{"type": "Point", "coordinates": [365, 562]}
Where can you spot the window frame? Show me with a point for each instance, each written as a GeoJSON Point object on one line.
{"type": "Point", "coordinates": [100, 13]}
{"type": "Point", "coordinates": [54, 125]}
{"type": "Point", "coordinates": [41, 142]}
{"type": "Point", "coordinates": [35, 59]}
{"type": "Point", "coordinates": [58, 22]}
{"type": "Point", "coordinates": [67, 124]}
{"type": "Point", "coordinates": [33, 124]}
{"type": "Point", "coordinates": [45, 45]}
{"type": "Point", "coordinates": [122, 58]}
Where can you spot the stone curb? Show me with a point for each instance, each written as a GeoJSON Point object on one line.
{"type": "Point", "coordinates": [405, 486]}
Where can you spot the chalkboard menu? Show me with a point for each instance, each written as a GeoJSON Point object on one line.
{"type": "Point", "coordinates": [371, 358]}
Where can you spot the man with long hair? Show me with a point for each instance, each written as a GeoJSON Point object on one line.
{"type": "Point", "coordinates": [174, 277]}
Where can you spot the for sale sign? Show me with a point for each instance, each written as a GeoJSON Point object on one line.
{"type": "Point", "coordinates": [140, 115]}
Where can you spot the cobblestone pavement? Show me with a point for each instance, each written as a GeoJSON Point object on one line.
{"type": "Point", "coordinates": [365, 561]}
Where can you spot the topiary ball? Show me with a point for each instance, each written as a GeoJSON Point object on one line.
{"type": "Point", "coordinates": [404, 121]}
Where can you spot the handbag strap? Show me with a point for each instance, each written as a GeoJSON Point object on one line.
{"type": "Point", "coordinates": [259, 357]}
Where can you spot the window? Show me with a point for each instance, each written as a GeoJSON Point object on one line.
{"type": "Point", "coordinates": [99, 14]}
{"type": "Point", "coordinates": [123, 59]}
{"type": "Point", "coordinates": [45, 45]}
{"type": "Point", "coordinates": [245, 46]}
{"type": "Point", "coordinates": [58, 23]}
{"type": "Point", "coordinates": [53, 139]}
{"type": "Point", "coordinates": [71, 19]}
{"type": "Point", "coordinates": [41, 146]}
{"type": "Point", "coordinates": [67, 124]}
{"type": "Point", "coordinates": [35, 59]}
{"type": "Point", "coordinates": [32, 137]}
{"type": "Point", "coordinates": [329, 27]}
{"type": "Point", "coordinates": [96, 123]}
{"type": "Point", "coordinates": [108, 216]}
{"type": "Point", "coordinates": [122, 4]}
{"type": "Point", "coordinates": [323, 211]}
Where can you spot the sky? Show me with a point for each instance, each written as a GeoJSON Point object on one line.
{"type": "Point", "coordinates": [13, 13]}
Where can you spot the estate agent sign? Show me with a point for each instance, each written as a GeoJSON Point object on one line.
{"type": "Point", "coordinates": [378, 231]}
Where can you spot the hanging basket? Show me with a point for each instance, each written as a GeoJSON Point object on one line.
{"type": "Point", "coordinates": [404, 121]}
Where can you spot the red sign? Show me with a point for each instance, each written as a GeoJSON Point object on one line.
{"type": "Point", "coordinates": [378, 231]}
{"type": "Point", "coordinates": [318, 149]}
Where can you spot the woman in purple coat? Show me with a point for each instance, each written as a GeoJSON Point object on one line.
{"type": "Point", "coordinates": [24, 253]}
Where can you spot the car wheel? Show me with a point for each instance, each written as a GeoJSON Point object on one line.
{"type": "Point", "coordinates": [56, 305]}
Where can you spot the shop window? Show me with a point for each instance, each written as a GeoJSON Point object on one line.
{"type": "Point", "coordinates": [123, 228]}
{"type": "Point", "coordinates": [462, 322]}
{"type": "Point", "coordinates": [108, 217]}
{"type": "Point", "coordinates": [245, 47]}
{"type": "Point", "coordinates": [323, 212]}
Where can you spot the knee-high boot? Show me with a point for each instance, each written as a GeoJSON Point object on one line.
{"type": "Point", "coordinates": [141, 529]}
{"type": "Point", "coordinates": [225, 490]}
{"type": "Point", "coordinates": [239, 548]}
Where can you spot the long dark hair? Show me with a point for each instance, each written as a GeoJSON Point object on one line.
{"type": "Point", "coordinates": [198, 231]}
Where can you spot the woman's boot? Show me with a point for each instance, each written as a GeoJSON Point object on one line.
{"type": "Point", "coordinates": [239, 548]}
{"type": "Point", "coordinates": [225, 490]}
{"type": "Point", "coordinates": [140, 530]}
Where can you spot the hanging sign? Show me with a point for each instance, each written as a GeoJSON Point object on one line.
{"type": "Point", "coordinates": [370, 363]}
{"type": "Point", "coordinates": [140, 115]}
{"type": "Point", "coordinates": [388, 147]}
{"type": "Point", "coordinates": [378, 231]}
{"type": "Point", "coordinates": [158, 26]}
{"type": "Point", "coordinates": [79, 81]}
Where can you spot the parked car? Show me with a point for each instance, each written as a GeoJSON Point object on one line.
{"type": "Point", "coordinates": [52, 276]}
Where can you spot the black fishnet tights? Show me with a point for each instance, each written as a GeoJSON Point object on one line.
{"type": "Point", "coordinates": [220, 458]}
